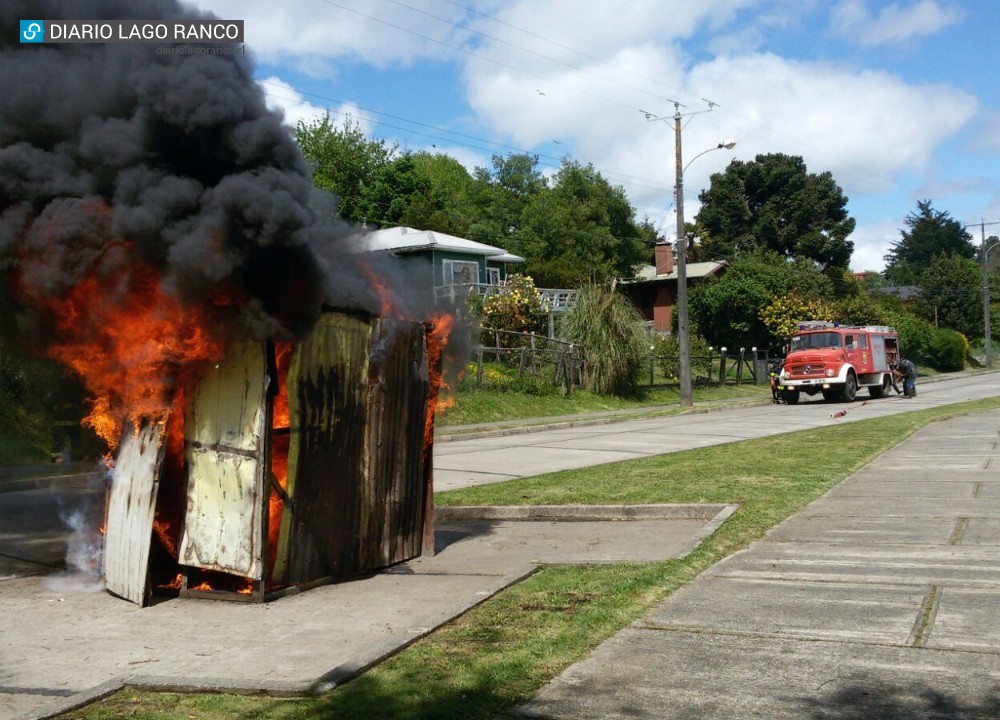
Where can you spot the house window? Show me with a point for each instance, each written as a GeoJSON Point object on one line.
{"type": "Point", "coordinates": [460, 272]}
{"type": "Point", "coordinates": [493, 276]}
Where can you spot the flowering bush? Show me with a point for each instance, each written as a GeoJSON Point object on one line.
{"type": "Point", "coordinates": [517, 307]}
{"type": "Point", "coordinates": [782, 317]}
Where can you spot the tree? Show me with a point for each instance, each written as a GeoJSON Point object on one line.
{"type": "Point", "coordinates": [930, 232]}
{"type": "Point", "coordinates": [392, 192]}
{"type": "Point", "coordinates": [727, 311]}
{"type": "Point", "coordinates": [499, 196]}
{"type": "Point", "coordinates": [581, 230]}
{"type": "Point", "coordinates": [447, 205]}
{"type": "Point", "coordinates": [949, 292]}
{"type": "Point", "coordinates": [343, 161]}
{"type": "Point", "coordinates": [773, 203]}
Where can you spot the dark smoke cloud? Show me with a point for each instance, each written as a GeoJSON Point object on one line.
{"type": "Point", "coordinates": [173, 160]}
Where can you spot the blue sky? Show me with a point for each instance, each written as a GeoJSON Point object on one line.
{"type": "Point", "coordinates": [896, 99]}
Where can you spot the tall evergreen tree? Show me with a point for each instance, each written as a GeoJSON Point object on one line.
{"type": "Point", "coordinates": [928, 233]}
{"type": "Point", "coordinates": [774, 204]}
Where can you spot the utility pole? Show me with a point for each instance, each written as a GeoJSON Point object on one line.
{"type": "Point", "coordinates": [987, 340]}
{"type": "Point", "coordinates": [683, 334]}
{"type": "Point", "coordinates": [683, 337]}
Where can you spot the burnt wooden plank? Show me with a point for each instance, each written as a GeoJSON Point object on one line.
{"type": "Point", "coordinates": [131, 509]}
{"type": "Point", "coordinates": [225, 436]}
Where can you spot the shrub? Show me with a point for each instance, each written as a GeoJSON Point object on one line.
{"type": "Point", "coordinates": [668, 353]}
{"type": "Point", "coordinates": [611, 332]}
{"type": "Point", "coordinates": [860, 310]}
{"type": "Point", "coordinates": [914, 336]}
{"type": "Point", "coordinates": [516, 307]}
{"type": "Point", "coordinates": [782, 317]}
{"type": "Point", "coordinates": [502, 377]}
{"type": "Point", "coordinates": [948, 350]}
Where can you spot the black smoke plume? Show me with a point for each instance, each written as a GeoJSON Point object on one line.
{"type": "Point", "coordinates": [114, 155]}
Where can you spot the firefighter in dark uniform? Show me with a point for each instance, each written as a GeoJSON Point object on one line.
{"type": "Point", "coordinates": [906, 371]}
{"type": "Point", "coordinates": [773, 373]}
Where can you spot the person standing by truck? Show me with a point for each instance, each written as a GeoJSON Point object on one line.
{"type": "Point", "coordinates": [907, 372]}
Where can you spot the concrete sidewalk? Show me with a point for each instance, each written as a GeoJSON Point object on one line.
{"type": "Point", "coordinates": [880, 600]}
{"type": "Point", "coordinates": [64, 643]}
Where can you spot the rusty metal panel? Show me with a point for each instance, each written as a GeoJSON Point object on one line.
{"type": "Point", "coordinates": [131, 509]}
{"type": "Point", "coordinates": [394, 500]}
{"type": "Point", "coordinates": [225, 437]}
{"type": "Point", "coordinates": [328, 397]}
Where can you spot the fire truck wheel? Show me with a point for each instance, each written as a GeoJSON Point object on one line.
{"type": "Point", "coordinates": [850, 390]}
{"type": "Point", "coordinates": [791, 396]}
{"type": "Point", "coordinates": [880, 391]}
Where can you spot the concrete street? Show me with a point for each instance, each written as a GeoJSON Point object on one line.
{"type": "Point", "coordinates": [908, 543]}
{"type": "Point", "coordinates": [509, 455]}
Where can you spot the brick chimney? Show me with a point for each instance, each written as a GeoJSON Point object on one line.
{"type": "Point", "coordinates": [664, 254]}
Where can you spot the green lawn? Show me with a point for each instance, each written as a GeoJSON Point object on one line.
{"type": "Point", "coordinates": [498, 654]}
{"type": "Point", "coordinates": [491, 405]}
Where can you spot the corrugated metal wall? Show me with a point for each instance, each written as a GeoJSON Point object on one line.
{"type": "Point", "coordinates": [357, 392]}
{"type": "Point", "coordinates": [393, 519]}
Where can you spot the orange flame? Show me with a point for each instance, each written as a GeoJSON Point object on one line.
{"type": "Point", "coordinates": [385, 295]}
{"type": "Point", "coordinates": [437, 341]}
{"type": "Point", "coordinates": [280, 420]}
{"type": "Point", "coordinates": [129, 346]}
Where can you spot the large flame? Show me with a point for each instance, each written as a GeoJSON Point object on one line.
{"type": "Point", "coordinates": [132, 346]}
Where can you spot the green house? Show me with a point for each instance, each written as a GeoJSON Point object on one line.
{"type": "Point", "coordinates": [444, 264]}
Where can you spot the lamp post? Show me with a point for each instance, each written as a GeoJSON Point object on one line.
{"type": "Point", "coordinates": [984, 253]}
{"type": "Point", "coordinates": [683, 338]}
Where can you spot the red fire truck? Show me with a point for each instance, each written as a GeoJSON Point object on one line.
{"type": "Point", "coordinates": [837, 359]}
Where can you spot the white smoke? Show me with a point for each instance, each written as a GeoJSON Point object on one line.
{"type": "Point", "coordinates": [84, 545]}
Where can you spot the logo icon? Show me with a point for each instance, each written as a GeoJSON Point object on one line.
{"type": "Point", "coordinates": [32, 31]}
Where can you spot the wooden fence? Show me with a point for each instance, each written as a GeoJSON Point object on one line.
{"type": "Point", "coordinates": [557, 361]}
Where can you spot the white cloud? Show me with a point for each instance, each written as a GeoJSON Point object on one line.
{"type": "Point", "coordinates": [872, 242]}
{"type": "Point", "coordinates": [864, 127]}
{"type": "Point", "coordinates": [895, 23]}
{"type": "Point", "coordinates": [593, 66]}
{"type": "Point", "coordinates": [282, 97]}
{"type": "Point", "coordinates": [308, 33]}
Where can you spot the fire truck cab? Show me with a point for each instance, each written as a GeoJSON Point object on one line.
{"type": "Point", "coordinates": [837, 359]}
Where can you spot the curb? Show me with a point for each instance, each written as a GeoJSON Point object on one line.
{"type": "Point", "coordinates": [582, 513]}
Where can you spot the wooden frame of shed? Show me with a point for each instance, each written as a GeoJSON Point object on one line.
{"type": "Point", "coordinates": [358, 492]}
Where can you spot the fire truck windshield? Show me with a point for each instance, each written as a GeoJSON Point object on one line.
{"type": "Point", "coordinates": [816, 340]}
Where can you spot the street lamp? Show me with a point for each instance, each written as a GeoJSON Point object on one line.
{"type": "Point", "coordinates": [683, 338]}
{"type": "Point", "coordinates": [987, 340]}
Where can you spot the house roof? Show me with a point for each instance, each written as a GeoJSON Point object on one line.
{"type": "Point", "coordinates": [903, 292]}
{"type": "Point", "coordinates": [408, 240]}
{"type": "Point", "coordinates": [647, 273]}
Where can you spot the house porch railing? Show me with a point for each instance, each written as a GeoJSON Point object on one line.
{"type": "Point", "coordinates": [555, 299]}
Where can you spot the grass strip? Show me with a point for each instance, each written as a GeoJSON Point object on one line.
{"type": "Point", "coordinates": [497, 655]}
{"type": "Point", "coordinates": [489, 405]}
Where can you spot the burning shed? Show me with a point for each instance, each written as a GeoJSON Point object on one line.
{"type": "Point", "coordinates": [290, 465]}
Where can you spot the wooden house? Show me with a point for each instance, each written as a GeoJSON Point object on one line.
{"type": "Point", "coordinates": [653, 290]}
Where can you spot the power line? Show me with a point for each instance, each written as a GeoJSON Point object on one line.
{"type": "Point", "coordinates": [633, 180]}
